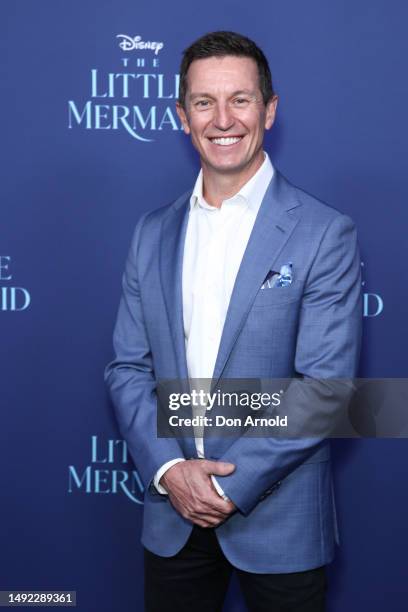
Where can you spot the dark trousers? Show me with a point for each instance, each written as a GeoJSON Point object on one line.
{"type": "Point", "coordinates": [196, 580]}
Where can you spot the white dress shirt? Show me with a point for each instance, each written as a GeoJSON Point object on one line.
{"type": "Point", "coordinates": [215, 243]}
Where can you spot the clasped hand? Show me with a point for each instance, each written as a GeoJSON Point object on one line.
{"type": "Point", "coordinates": [193, 494]}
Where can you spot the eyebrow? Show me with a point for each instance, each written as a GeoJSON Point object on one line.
{"type": "Point", "coordinates": [235, 93]}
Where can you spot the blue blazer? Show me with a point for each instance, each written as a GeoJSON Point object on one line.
{"type": "Point", "coordinates": [311, 329]}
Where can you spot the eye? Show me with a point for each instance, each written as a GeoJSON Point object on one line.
{"type": "Point", "coordinates": [202, 104]}
{"type": "Point", "coordinates": [240, 102]}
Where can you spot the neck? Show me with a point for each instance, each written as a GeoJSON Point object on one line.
{"type": "Point", "coordinates": [219, 186]}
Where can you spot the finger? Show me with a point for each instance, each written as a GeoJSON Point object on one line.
{"type": "Point", "coordinates": [215, 503]}
{"type": "Point", "coordinates": [199, 508]}
{"type": "Point", "coordinates": [214, 506]}
{"type": "Point", "coordinates": [205, 520]}
{"type": "Point", "coordinates": [231, 506]}
{"type": "Point", "coordinates": [221, 468]}
{"type": "Point", "coordinates": [204, 511]}
{"type": "Point", "coordinates": [202, 524]}
{"type": "Point", "coordinates": [204, 508]}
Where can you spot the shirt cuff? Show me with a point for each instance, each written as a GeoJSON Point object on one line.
{"type": "Point", "coordinates": [219, 489]}
{"type": "Point", "coordinates": [163, 470]}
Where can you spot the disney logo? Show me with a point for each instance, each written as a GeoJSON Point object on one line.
{"type": "Point", "coordinates": [129, 43]}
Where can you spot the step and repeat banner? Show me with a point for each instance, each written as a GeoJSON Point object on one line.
{"type": "Point", "coordinates": [90, 140]}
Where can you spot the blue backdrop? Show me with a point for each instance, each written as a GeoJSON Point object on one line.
{"type": "Point", "coordinates": [89, 141]}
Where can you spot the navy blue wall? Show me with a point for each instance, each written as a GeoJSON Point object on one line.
{"type": "Point", "coordinates": [74, 183]}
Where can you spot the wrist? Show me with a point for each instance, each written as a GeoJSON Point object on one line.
{"type": "Point", "coordinates": [167, 476]}
{"type": "Point", "coordinates": [157, 481]}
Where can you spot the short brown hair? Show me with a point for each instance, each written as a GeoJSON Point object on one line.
{"type": "Point", "coordinates": [221, 44]}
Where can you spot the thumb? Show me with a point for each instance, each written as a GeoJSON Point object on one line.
{"type": "Point", "coordinates": [220, 468]}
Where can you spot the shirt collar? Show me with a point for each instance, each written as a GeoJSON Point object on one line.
{"type": "Point", "coordinates": [251, 193]}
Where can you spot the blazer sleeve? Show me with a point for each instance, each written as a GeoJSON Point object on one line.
{"type": "Point", "coordinates": [326, 357]}
{"type": "Point", "coordinates": [130, 378]}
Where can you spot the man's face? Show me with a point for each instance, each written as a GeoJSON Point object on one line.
{"type": "Point", "coordinates": [225, 113]}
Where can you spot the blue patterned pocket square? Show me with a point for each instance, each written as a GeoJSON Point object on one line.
{"type": "Point", "coordinates": [278, 279]}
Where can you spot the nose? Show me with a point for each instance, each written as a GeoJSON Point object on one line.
{"type": "Point", "coordinates": [223, 117]}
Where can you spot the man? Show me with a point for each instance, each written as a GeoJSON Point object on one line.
{"type": "Point", "coordinates": [245, 277]}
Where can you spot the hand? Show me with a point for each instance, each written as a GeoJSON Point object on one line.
{"type": "Point", "coordinates": [192, 493]}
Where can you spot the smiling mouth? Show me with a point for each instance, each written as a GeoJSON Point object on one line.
{"type": "Point", "coordinates": [226, 141]}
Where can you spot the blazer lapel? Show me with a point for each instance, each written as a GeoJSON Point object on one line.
{"type": "Point", "coordinates": [173, 235]}
{"type": "Point", "coordinates": [274, 224]}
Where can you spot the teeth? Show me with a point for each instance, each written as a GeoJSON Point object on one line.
{"type": "Point", "coordinates": [225, 141]}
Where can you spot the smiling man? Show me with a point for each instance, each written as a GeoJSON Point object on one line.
{"type": "Point", "coordinates": [226, 113]}
{"type": "Point", "coordinates": [246, 276]}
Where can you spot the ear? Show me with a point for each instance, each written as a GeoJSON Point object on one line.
{"type": "Point", "coordinates": [183, 117]}
{"type": "Point", "coordinates": [270, 113]}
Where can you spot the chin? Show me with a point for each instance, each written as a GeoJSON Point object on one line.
{"type": "Point", "coordinates": [226, 164]}
{"type": "Point", "coordinates": [232, 166]}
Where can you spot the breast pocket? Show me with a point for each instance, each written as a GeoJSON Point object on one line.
{"type": "Point", "coordinates": [276, 296]}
